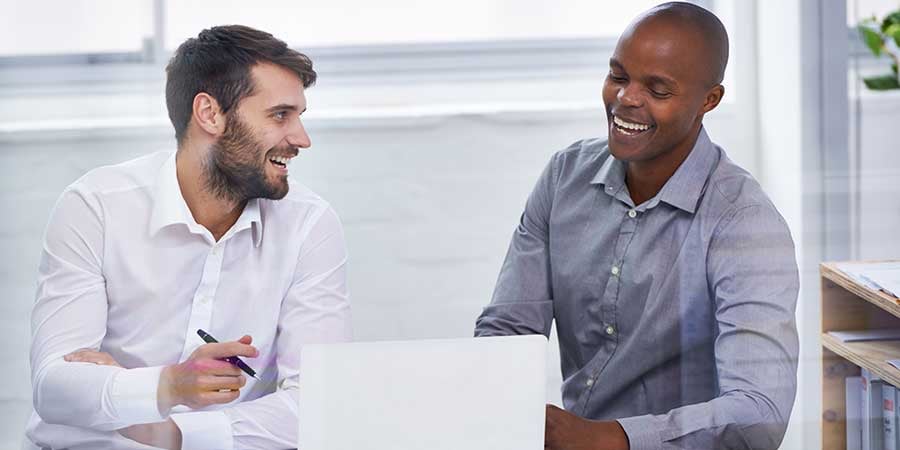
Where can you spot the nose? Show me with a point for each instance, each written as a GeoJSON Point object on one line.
{"type": "Point", "coordinates": [298, 136]}
{"type": "Point", "coordinates": [629, 95]}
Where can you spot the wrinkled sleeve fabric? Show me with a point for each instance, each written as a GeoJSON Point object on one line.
{"type": "Point", "coordinates": [70, 313]}
{"type": "Point", "coordinates": [752, 271]}
{"type": "Point", "coordinates": [523, 297]}
{"type": "Point", "coordinates": [315, 310]}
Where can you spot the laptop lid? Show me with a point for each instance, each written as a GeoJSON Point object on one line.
{"type": "Point", "coordinates": [475, 394]}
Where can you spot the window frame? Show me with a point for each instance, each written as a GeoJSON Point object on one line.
{"type": "Point", "coordinates": [112, 72]}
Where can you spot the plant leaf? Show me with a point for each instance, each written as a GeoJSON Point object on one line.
{"type": "Point", "coordinates": [894, 32]}
{"type": "Point", "coordinates": [882, 83]}
{"type": "Point", "coordinates": [871, 38]}
{"type": "Point", "coordinates": [891, 19]}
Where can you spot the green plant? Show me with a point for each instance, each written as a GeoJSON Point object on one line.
{"type": "Point", "coordinates": [882, 38]}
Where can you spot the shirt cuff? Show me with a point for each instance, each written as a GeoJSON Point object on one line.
{"type": "Point", "coordinates": [642, 432]}
{"type": "Point", "coordinates": [133, 395]}
{"type": "Point", "coordinates": [203, 430]}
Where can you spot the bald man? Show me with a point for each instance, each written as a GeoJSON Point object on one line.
{"type": "Point", "coordinates": [670, 275]}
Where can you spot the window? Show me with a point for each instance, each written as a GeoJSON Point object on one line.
{"type": "Point", "coordinates": [861, 9]}
{"type": "Point", "coordinates": [74, 27]}
{"type": "Point", "coordinates": [354, 22]}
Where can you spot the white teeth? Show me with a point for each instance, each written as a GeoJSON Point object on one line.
{"type": "Point", "coordinates": [630, 126]}
{"type": "Point", "coordinates": [281, 159]}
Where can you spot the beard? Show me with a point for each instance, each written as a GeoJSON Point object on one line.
{"type": "Point", "coordinates": [236, 169]}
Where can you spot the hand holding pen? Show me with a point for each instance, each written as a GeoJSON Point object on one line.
{"type": "Point", "coordinates": [232, 359]}
{"type": "Point", "coordinates": [206, 377]}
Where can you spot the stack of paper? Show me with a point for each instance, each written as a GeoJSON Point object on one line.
{"type": "Point", "coordinates": [884, 276]}
{"type": "Point", "coordinates": [880, 334]}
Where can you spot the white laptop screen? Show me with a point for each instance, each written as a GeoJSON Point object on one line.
{"type": "Point", "coordinates": [473, 394]}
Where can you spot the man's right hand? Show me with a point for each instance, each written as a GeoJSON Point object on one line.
{"type": "Point", "coordinates": [205, 378]}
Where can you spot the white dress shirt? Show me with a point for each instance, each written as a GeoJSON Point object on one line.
{"type": "Point", "coordinates": [126, 270]}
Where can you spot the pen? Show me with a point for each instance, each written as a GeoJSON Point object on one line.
{"type": "Point", "coordinates": [232, 359]}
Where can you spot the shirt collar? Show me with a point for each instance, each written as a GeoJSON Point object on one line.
{"type": "Point", "coordinates": [684, 187]}
{"type": "Point", "coordinates": [169, 207]}
{"type": "Point", "coordinates": [251, 218]}
{"type": "Point", "coordinates": [611, 174]}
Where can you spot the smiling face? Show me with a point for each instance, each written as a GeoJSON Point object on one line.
{"type": "Point", "coordinates": [250, 159]}
{"type": "Point", "coordinates": [658, 88]}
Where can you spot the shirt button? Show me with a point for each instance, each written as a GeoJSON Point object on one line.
{"type": "Point", "coordinates": [589, 382]}
{"type": "Point", "coordinates": [215, 250]}
{"type": "Point", "coordinates": [610, 330]}
{"type": "Point", "coordinates": [204, 299]}
{"type": "Point", "coordinates": [615, 270]}
{"type": "Point", "coordinates": [632, 213]}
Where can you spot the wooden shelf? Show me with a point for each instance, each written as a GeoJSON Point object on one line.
{"type": "Point", "coordinates": [872, 355]}
{"type": "Point", "coordinates": [877, 298]}
{"type": "Point", "coordinates": [848, 305]}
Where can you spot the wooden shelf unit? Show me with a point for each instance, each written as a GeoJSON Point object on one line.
{"type": "Point", "coordinates": [847, 305]}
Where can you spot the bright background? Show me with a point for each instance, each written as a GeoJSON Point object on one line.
{"type": "Point", "coordinates": [430, 123]}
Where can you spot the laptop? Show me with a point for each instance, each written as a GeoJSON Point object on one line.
{"type": "Point", "coordinates": [476, 394]}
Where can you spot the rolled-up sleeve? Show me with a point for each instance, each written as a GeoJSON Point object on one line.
{"type": "Point", "coordinates": [522, 301]}
{"type": "Point", "coordinates": [752, 271]}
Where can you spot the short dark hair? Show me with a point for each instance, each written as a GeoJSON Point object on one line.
{"type": "Point", "coordinates": [218, 62]}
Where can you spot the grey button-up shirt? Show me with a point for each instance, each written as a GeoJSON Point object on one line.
{"type": "Point", "coordinates": [676, 316]}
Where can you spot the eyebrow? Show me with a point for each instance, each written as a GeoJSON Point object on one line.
{"type": "Point", "coordinates": [284, 107]}
{"type": "Point", "coordinates": [661, 80]}
{"type": "Point", "coordinates": [649, 79]}
{"type": "Point", "coordinates": [613, 62]}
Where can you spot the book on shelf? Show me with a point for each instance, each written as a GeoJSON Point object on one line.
{"type": "Point", "coordinates": [853, 397]}
{"type": "Point", "coordinates": [872, 407]}
{"type": "Point", "coordinates": [889, 411]}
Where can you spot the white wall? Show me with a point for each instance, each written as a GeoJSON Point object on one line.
{"type": "Point", "coordinates": [429, 198]}
{"type": "Point", "coordinates": [429, 195]}
{"type": "Point", "coordinates": [878, 179]}
{"type": "Point", "coordinates": [430, 180]}
{"type": "Point", "coordinates": [781, 166]}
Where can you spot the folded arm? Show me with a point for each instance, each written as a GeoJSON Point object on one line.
{"type": "Point", "coordinates": [70, 313]}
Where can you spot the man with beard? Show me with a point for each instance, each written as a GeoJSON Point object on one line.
{"type": "Point", "coordinates": [670, 275]}
{"type": "Point", "coordinates": [140, 256]}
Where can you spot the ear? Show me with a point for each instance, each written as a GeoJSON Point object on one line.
{"type": "Point", "coordinates": [713, 97]}
{"type": "Point", "coordinates": [207, 115]}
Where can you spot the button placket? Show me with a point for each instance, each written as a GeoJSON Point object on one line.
{"type": "Point", "coordinates": [202, 305]}
{"type": "Point", "coordinates": [606, 331]}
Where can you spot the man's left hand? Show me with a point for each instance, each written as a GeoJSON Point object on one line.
{"type": "Point", "coordinates": [91, 356]}
{"type": "Point", "coordinates": [162, 434]}
{"type": "Point", "coordinates": [566, 431]}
